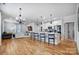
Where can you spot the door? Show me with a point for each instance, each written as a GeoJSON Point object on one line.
{"type": "Point", "coordinates": [69, 30]}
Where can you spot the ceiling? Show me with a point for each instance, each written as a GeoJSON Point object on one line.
{"type": "Point", "coordinates": [33, 11]}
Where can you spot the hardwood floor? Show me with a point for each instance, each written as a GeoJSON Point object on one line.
{"type": "Point", "coordinates": [26, 46]}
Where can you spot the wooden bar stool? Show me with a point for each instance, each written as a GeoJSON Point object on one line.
{"type": "Point", "coordinates": [42, 37]}
{"type": "Point", "coordinates": [51, 37]}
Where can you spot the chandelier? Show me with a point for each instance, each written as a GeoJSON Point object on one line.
{"type": "Point", "coordinates": [19, 19]}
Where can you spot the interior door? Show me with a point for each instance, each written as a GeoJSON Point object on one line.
{"type": "Point", "coordinates": [69, 30]}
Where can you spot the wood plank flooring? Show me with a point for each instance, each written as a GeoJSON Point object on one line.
{"type": "Point", "coordinates": [26, 46]}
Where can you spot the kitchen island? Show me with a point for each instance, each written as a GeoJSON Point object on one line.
{"type": "Point", "coordinates": [36, 36]}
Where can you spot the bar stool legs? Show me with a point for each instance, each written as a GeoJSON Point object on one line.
{"type": "Point", "coordinates": [50, 41]}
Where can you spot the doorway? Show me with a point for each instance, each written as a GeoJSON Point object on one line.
{"type": "Point", "coordinates": [69, 30]}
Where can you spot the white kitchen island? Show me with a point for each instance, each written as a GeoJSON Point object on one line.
{"type": "Point", "coordinates": [57, 37]}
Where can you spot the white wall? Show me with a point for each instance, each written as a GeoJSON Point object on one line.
{"type": "Point", "coordinates": [0, 28]}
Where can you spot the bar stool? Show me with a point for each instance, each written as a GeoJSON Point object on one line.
{"type": "Point", "coordinates": [51, 37]}
{"type": "Point", "coordinates": [42, 37]}
{"type": "Point", "coordinates": [32, 35]}
{"type": "Point", "coordinates": [36, 36]}
{"type": "Point", "coordinates": [28, 33]}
